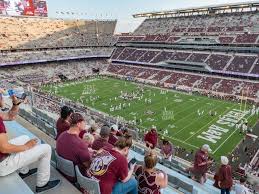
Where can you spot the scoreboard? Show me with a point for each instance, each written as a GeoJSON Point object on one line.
{"type": "Point", "coordinates": [23, 8]}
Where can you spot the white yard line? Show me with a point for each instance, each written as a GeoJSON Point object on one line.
{"type": "Point", "coordinates": [193, 121]}
{"type": "Point", "coordinates": [227, 138]}
{"type": "Point", "coordinates": [209, 123]}
{"type": "Point", "coordinates": [180, 141]}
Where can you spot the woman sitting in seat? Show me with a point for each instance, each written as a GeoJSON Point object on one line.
{"type": "Point", "coordinates": [150, 180]}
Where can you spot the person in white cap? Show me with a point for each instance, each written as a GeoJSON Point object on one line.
{"type": "Point", "coordinates": [201, 163]}
{"type": "Point", "coordinates": [224, 176]}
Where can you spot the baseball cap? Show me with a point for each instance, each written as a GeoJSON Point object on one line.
{"type": "Point", "coordinates": [105, 131]}
{"type": "Point", "coordinates": [224, 160]}
{"type": "Point", "coordinates": [115, 127]}
{"type": "Point", "coordinates": [206, 147]}
{"type": "Point", "coordinates": [76, 118]}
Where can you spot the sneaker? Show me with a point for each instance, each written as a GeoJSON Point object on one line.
{"type": "Point", "coordinates": [31, 172]}
{"type": "Point", "coordinates": [48, 186]}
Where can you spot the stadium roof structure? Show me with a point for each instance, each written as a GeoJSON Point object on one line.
{"type": "Point", "coordinates": [208, 9]}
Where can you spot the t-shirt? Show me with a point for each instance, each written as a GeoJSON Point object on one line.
{"type": "Point", "coordinates": [200, 157]}
{"type": "Point", "coordinates": [101, 143]}
{"type": "Point", "coordinates": [61, 126]}
{"type": "Point", "coordinates": [151, 137]}
{"type": "Point", "coordinates": [71, 147]}
{"type": "Point", "coordinates": [167, 149]}
{"type": "Point", "coordinates": [108, 167]}
{"type": "Point", "coordinates": [241, 189]}
{"type": "Point", "coordinates": [225, 176]}
{"type": "Point", "coordinates": [2, 130]}
{"type": "Point", "coordinates": [112, 139]}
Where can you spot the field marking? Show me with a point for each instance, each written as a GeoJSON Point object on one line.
{"type": "Point", "coordinates": [180, 110]}
{"type": "Point", "coordinates": [229, 137]}
{"type": "Point", "coordinates": [213, 120]}
{"type": "Point", "coordinates": [193, 121]}
{"type": "Point", "coordinates": [179, 141]}
{"type": "Point", "coordinates": [172, 103]}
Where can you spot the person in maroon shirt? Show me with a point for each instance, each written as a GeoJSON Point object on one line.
{"type": "Point", "coordinates": [149, 179]}
{"type": "Point", "coordinates": [110, 168]}
{"type": "Point", "coordinates": [71, 147]}
{"type": "Point", "coordinates": [16, 154]}
{"type": "Point", "coordinates": [113, 135]}
{"type": "Point", "coordinates": [151, 138]}
{"type": "Point", "coordinates": [63, 123]}
{"type": "Point", "coordinates": [167, 150]}
{"type": "Point", "coordinates": [225, 181]}
{"type": "Point", "coordinates": [201, 163]}
{"type": "Point", "coordinates": [102, 141]}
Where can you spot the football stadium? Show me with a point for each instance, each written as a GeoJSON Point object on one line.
{"type": "Point", "coordinates": [171, 107]}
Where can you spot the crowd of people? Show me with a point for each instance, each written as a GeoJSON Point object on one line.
{"type": "Point", "coordinates": [102, 154]}
{"type": "Point", "coordinates": [52, 55]}
{"type": "Point", "coordinates": [86, 145]}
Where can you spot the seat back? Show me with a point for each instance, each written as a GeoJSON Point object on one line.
{"type": "Point", "coordinates": [185, 186]}
{"type": "Point", "coordinates": [88, 184]}
{"type": "Point", "coordinates": [66, 167]}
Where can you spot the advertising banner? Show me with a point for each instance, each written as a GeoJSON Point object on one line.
{"type": "Point", "coordinates": [23, 8]}
{"type": "Point", "coordinates": [40, 8]}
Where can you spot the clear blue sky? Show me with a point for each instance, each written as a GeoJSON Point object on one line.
{"type": "Point", "coordinates": [122, 10]}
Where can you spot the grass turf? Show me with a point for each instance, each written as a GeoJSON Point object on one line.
{"type": "Point", "coordinates": [183, 123]}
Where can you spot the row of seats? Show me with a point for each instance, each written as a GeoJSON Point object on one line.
{"type": "Point", "coordinates": [31, 33]}
{"type": "Point", "coordinates": [239, 63]}
{"type": "Point", "coordinates": [38, 73]}
{"type": "Point", "coordinates": [243, 38]}
{"type": "Point", "coordinates": [193, 81]}
{"type": "Point", "coordinates": [50, 55]}
{"type": "Point", "coordinates": [210, 24]}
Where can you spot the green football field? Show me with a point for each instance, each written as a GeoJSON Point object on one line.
{"type": "Point", "coordinates": [187, 120]}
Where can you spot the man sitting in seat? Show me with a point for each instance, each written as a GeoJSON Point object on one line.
{"type": "Point", "coordinates": [102, 141]}
{"type": "Point", "coordinates": [71, 147]}
{"type": "Point", "coordinates": [20, 152]}
{"type": "Point", "coordinates": [110, 168]}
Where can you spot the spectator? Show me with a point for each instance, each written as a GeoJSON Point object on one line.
{"type": "Point", "coordinates": [102, 141]}
{"type": "Point", "coordinates": [112, 173]}
{"type": "Point", "coordinates": [113, 135]}
{"type": "Point", "coordinates": [167, 150]}
{"type": "Point", "coordinates": [63, 122]}
{"type": "Point", "coordinates": [225, 180]}
{"type": "Point", "coordinates": [151, 138]}
{"type": "Point", "coordinates": [149, 179]}
{"type": "Point", "coordinates": [18, 153]}
{"type": "Point", "coordinates": [71, 147]}
{"type": "Point", "coordinates": [241, 188]}
{"type": "Point", "coordinates": [201, 163]}
{"type": "Point", "coordinates": [89, 139]}
{"type": "Point", "coordinates": [93, 130]}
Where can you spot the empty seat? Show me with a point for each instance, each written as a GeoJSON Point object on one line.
{"type": "Point", "coordinates": [88, 184]}
{"type": "Point", "coordinates": [66, 167]}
